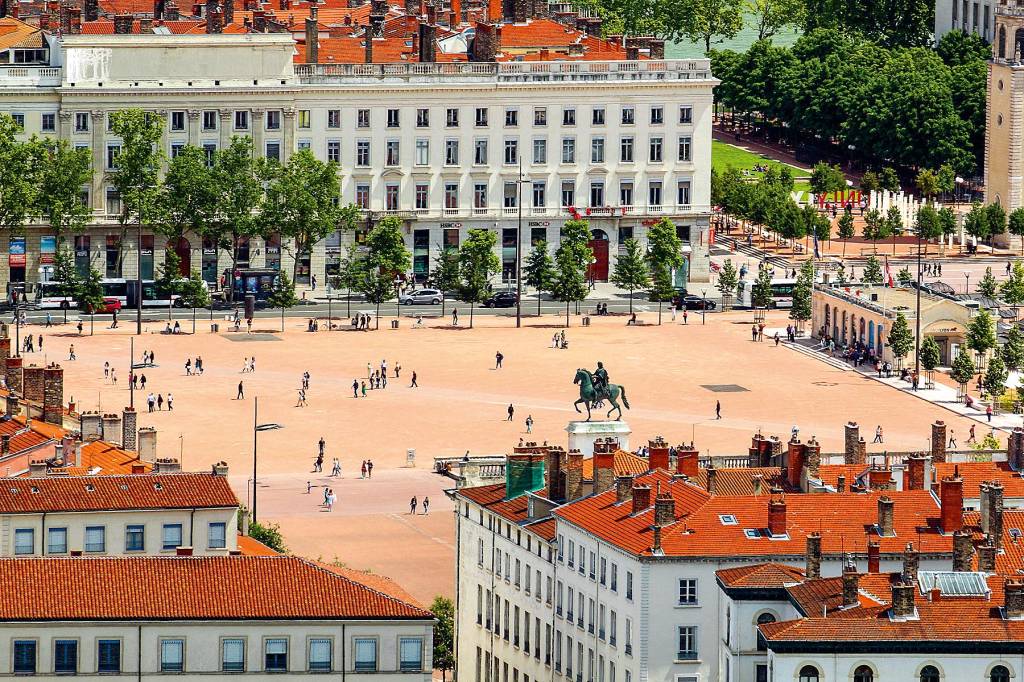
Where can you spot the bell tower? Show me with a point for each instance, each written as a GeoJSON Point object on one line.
{"type": "Point", "coordinates": [1004, 129]}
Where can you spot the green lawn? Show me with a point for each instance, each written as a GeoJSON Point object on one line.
{"type": "Point", "coordinates": [724, 155]}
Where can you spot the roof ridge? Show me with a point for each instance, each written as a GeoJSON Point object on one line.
{"type": "Point", "coordinates": [322, 567]}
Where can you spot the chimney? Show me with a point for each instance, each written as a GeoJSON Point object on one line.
{"type": "Point", "coordinates": [123, 23]}
{"type": "Point", "coordinates": [841, 484]}
{"type": "Point", "coordinates": [916, 466]}
{"type": "Point", "coordinates": [13, 406]}
{"type": "Point", "coordinates": [851, 582]}
{"type": "Point", "coordinates": [687, 461]}
{"type": "Point", "coordinates": [487, 40]}
{"type": "Point", "coordinates": [963, 550]}
{"type": "Point", "coordinates": [657, 48]}
{"type": "Point", "coordinates": [1015, 449]}
{"type": "Point", "coordinates": [657, 454]}
{"type": "Point", "coordinates": [939, 441]}
{"type": "Point", "coordinates": [1014, 604]}
{"type": "Point", "coordinates": [367, 44]}
{"type": "Point", "coordinates": [58, 455]}
{"type": "Point", "coordinates": [903, 600]}
{"type": "Point", "coordinates": [494, 11]}
{"type": "Point", "coordinates": [777, 513]}
{"type": "Point", "coordinates": [641, 498]}
{"type": "Point", "coordinates": [312, 43]}
{"type": "Point", "coordinates": [995, 513]}
{"type": "Point", "coordinates": [44, 20]}
{"type": "Point", "coordinates": [987, 558]}
{"type": "Point", "coordinates": [951, 501]}
{"type": "Point", "coordinates": [166, 465]}
{"type": "Point", "coordinates": [632, 52]}
{"type": "Point", "coordinates": [412, 8]}
{"type": "Point", "coordinates": [656, 544]}
{"type": "Point", "coordinates": [158, 9]}
{"type": "Point", "coordinates": [757, 483]}
{"type": "Point", "coordinates": [556, 476]}
{"type": "Point", "coordinates": [573, 475]}
{"type": "Point", "coordinates": [129, 428]}
{"type": "Point", "coordinates": [812, 567]}
{"type": "Point", "coordinates": [147, 444]}
{"type": "Point", "coordinates": [712, 473]}
{"type": "Point", "coordinates": [215, 21]}
{"type": "Point", "coordinates": [91, 426]}
{"type": "Point", "coordinates": [183, 551]}
{"type": "Point", "coordinates": [874, 556]}
{"type": "Point", "coordinates": [68, 447]}
{"type": "Point", "coordinates": [171, 11]}
{"type": "Point", "coordinates": [812, 458]}
{"type": "Point", "coordinates": [604, 471]}
{"type": "Point", "coordinates": [220, 468]}
{"type": "Point", "coordinates": [78, 453]}
{"type": "Point", "coordinates": [229, 11]}
{"type": "Point", "coordinates": [37, 469]}
{"type": "Point", "coordinates": [795, 459]}
{"type": "Point", "coordinates": [851, 451]}
{"type": "Point", "coordinates": [138, 468]}
{"type": "Point", "coordinates": [624, 488]}
{"type": "Point", "coordinates": [664, 509]}
{"type": "Point", "coordinates": [456, 13]}
{"type": "Point", "coordinates": [885, 516]}
{"type": "Point", "coordinates": [111, 428]}
{"type": "Point", "coordinates": [74, 20]}
{"type": "Point", "coordinates": [911, 561]}
{"type": "Point", "coordinates": [880, 478]}
{"type": "Point", "coordinates": [13, 374]}
{"type": "Point", "coordinates": [5, 444]}
{"type": "Point", "coordinates": [428, 43]}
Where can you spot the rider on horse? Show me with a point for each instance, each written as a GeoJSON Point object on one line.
{"type": "Point", "coordinates": [600, 380]}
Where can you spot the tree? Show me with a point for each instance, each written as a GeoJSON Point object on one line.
{"type": "Point", "coordinates": [976, 222]}
{"type": "Point", "coordinates": [18, 166]}
{"type": "Point", "coordinates": [386, 257]}
{"type": "Point", "coordinates": [446, 272]}
{"type": "Point", "coordinates": [801, 310]}
{"type": "Point", "coordinates": [927, 183]}
{"type": "Point", "coordinates": [1013, 288]}
{"type": "Point", "coordinates": [1016, 225]}
{"type": "Point", "coordinates": [444, 634]}
{"type": "Point", "coordinates": [240, 201]}
{"type": "Point", "coordinates": [872, 273]}
{"type": "Point", "coordinates": [928, 225]}
{"type": "Point", "coordinates": [995, 217]}
{"type": "Point", "coordinates": [826, 179]}
{"type": "Point", "coordinates": [63, 170]}
{"type": "Point", "coordinates": [761, 294]}
{"type": "Point", "coordinates": [893, 225]}
{"type": "Point", "coordinates": [571, 260]}
{"type": "Point", "coordinates": [981, 336]}
{"type": "Point", "coordinates": [728, 280]}
{"type": "Point", "coordinates": [631, 270]}
{"type": "Point", "coordinates": [90, 295]}
{"type": "Point", "coordinates": [1013, 350]}
{"type": "Point", "coordinates": [889, 180]}
{"type": "Point", "coordinates": [946, 179]}
{"type": "Point", "coordinates": [930, 357]}
{"type": "Point", "coordinates": [774, 15]}
{"type": "Point", "coordinates": [874, 227]}
{"type": "Point", "coordinates": [136, 171]}
{"type": "Point", "coordinates": [477, 264]}
{"type": "Point", "coordinates": [195, 294]}
{"type": "Point", "coordinates": [664, 253]}
{"type": "Point", "coordinates": [269, 535]}
{"type": "Point", "coordinates": [995, 378]}
{"type": "Point", "coordinates": [987, 285]}
{"type": "Point", "coordinates": [901, 339]}
{"type": "Point", "coordinates": [65, 276]}
{"type": "Point", "coordinates": [704, 21]}
{"type": "Point", "coordinates": [846, 228]}
{"type": "Point", "coordinates": [962, 371]}
{"type": "Point", "coordinates": [539, 270]}
{"type": "Point", "coordinates": [283, 296]}
{"type": "Point", "coordinates": [869, 182]}
{"type": "Point", "coordinates": [351, 275]}
{"type": "Point", "coordinates": [188, 199]}
{"type": "Point", "coordinates": [904, 278]}
{"type": "Point", "coordinates": [168, 279]}
{"type": "Point", "coordinates": [947, 221]}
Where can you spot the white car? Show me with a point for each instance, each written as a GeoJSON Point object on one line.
{"type": "Point", "coordinates": [431, 296]}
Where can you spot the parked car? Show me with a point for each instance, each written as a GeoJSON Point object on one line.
{"type": "Point", "coordinates": [110, 304]}
{"type": "Point", "coordinates": [692, 302]}
{"type": "Point", "coordinates": [504, 299]}
{"type": "Point", "coordinates": [431, 296]}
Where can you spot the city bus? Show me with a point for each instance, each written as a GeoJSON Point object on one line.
{"type": "Point", "coordinates": [46, 295]}
{"type": "Point", "coordinates": [782, 293]}
{"type": "Point", "coordinates": [115, 287]}
{"type": "Point", "coordinates": [153, 296]}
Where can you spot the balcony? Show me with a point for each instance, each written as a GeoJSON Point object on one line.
{"type": "Point", "coordinates": [30, 76]}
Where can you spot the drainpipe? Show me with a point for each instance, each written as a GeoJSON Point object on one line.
{"type": "Point", "coordinates": [344, 647]}
{"type": "Point", "coordinates": [138, 675]}
{"type": "Point", "coordinates": [42, 539]}
{"type": "Point", "coordinates": [192, 530]}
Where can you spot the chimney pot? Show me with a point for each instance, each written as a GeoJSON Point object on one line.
{"type": "Point", "coordinates": [951, 501]}
{"type": "Point", "coordinates": [777, 513]}
{"type": "Point", "coordinates": [874, 556]}
{"type": "Point", "coordinates": [851, 583]}
{"type": "Point", "coordinates": [641, 498]}
{"type": "Point", "coordinates": [813, 557]}
{"type": "Point", "coordinates": [624, 488]}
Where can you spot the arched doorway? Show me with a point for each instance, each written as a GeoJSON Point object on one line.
{"type": "Point", "coordinates": [597, 271]}
{"type": "Point", "coordinates": [183, 249]}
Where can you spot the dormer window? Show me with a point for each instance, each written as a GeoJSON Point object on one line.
{"type": "Point", "coordinates": [727, 519]}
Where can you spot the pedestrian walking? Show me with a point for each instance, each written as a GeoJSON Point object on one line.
{"type": "Point", "coordinates": [302, 398]}
{"type": "Point", "coordinates": [79, 327]}
{"type": "Point", "coordinates": [199, 364]}
{"type": "Point", "coordinates": [241, 392]}
{"type": "Point", "coordinates": [113, 375]}
{"type": "Point", "coordinates": [718, 409]}
{"type": "Point", "coordinates": [686, 317]}
{"type": "Point", "coordinates": [988, 413]}
{"type": "Point", "coordinates": [71, 353]}
{"type": "Point", "coordinates": [753, 332]}
{"type": "Point", "coordinates": [170, 402]}
{"type": "Point", "coordinates": [188, 367]}
{"type": "Point", "coordinates": [529, 423]}
{"type": "Point", "coordinates": [39, 342]}
{"type": "Point", "coordinates": [309, 487]}
{"type": "Point", "coordinates": [970, 435]}
{"type": "Point", "coordinates": [363, 386]}
{"type": "Point", "coordinates": [245, 365]}
{"type": "Point", "coordinates": [322, 445]}
{"type": "Point", "coordinates": [151, 401]}
{"type": "Point", "coordinates": [49, 320]}
{"type": "Point", "coordinates": [160, 402]}
{"type": "Point", "coordinates": [248, 325]}
{"type": "Point", "coordinates": [952, 439]}
{"type": "Point", "coordinates": [398, 369]}
{"type": "Point", "coordinates": [318, 463]}
{"type": "Point", "coordinates": [336, 468]}
{"type": "Point", "coordinates": [362, 470]}
{"type": "Point", "coordinates": [426, 505]}
{"type": "Point", "coordinates": [252, 364]}
{"type": "Point", "coordinates": [511, 411]}
{"type": "Point", "coordinates": [355, 388]}
{"type": "Point", "coordinates": [455, 317]}
{"type": "Point", "coordinates": [412, 505]}
{"type": "Point", "coordinates": [878, 434]}
{"type": "Point", "coordinates": [106, 370]}
{"type": "Point", "coordinates": [498, 357]}
{"type": "Point", "coordinates": [369, 371]}
{"type": "Point", "coordinates": [414, 384]}
{"type": "Point", "coordinates": [331, 499]}
{"type": "Point", "coordinates": [369, 468]}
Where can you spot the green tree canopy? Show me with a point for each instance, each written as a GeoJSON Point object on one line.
{"type": "Point", "coordinates": [981, 333]}
{"type": "Point", "coordinates": [728, 280]}
{"type": "Point", "coordinates": [761, 293]}
{"type": "Point", "coordinates": [477, 264]}
{"type": "Point", "coordinates": [703, 21]}
{"type": "Point", "coordinates": [444, 634]}
{"type": "Point", "coordinates": [664, 253]}
{"type": "Point", "coordinates": [1016, 225]}
{"type": "Point", "coordinates": [283, 296]}
{"type": "Point", "coordinates": [63, 171]}
{"type": "Point", "coordinates": [987, 285]}
{"type": "Point", "coordinates": [385, 259]}
{"type": "Point", "coordinates": [571, 260]}
{"type": "Point", "coordinates": [995, 377]}
{"type": "Point", "coordinates": [931, 354]}
{"type": "Point", "coordinates": [1013, 350]}
{"type": "Point", "coordinates": [137, 164]}
{"type": "Point", "coordinates": [872, 273]}
{"type": "Point", "coordinates": [962, 370]}
{"type": "Point", "coordinates": [901, 338]}
{"type": "Point", "coordinates": [445, 275]}
{"type": "Point", "coordinates": [631, 270]}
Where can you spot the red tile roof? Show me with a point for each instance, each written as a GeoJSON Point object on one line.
{"type": "Point", "coordinates": [252, 547]}
{"type": "Point", "coordinates": [380, 583]}
{"type": "Point", "coordinates": [740, 481]}
{"type": "Point", "coordinates": [96, 493]}
{"type": "Point", "coordinates": [976, 473]}
{"type": "Point", "coordinates": [176, 588]}
{"type": "Point", "coordinates": [110, 459]}
{"type": "Point", "coordinates": [760, 576]}
{"type": "Point", "coordinates": [624, 463]}
{"type": "Point", "coordinates": [22, 438]}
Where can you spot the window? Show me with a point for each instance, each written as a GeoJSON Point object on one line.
{"type": "Point", "coordinates": [626, 150]}
{"type": "Point", "coordinates": [334, 151]}
{"type": "Point", "coordinates": [510, 200]}
{"type": "Point", "coordinates": [273, 150]}
{"type": "Point", "coordinates": [655, 147]}
{"type": "Point", "coordinates": [421, 202]}
{"type": "Point", "coordinates": [628, 116]}
{"type": "Point", "coordinates": [571, 604]}
{"type": "Point", "coordinates": [108, 656]}
{"type": "Point", "coordinates": [366, 655]}
{"type": "Point", "coordinates": [540, 150]}
{"type": "Point", "coordinates": [540, 116]}
{"type": "Point", "coordinates": [596, 196]}
{"type": "Point", "coordinates": [334, 118]}
{"type": "Point", "coordinates": [1000, 673]}
{"type": "Point", "coordinates": [761, 672]}
{"type": "Point", "coordinates": [686, 114]}
{"type": "Point", "coordinates": [684, 148]}
{"type": "Point", "coordinates": [95, 539]}
{"type": "Point", "coordinates": [511, 117]}
{"type": "Point", "coordinates": [135, 538]}
{"type": "Point", "coordinates": [392, 119]}
{"type": "Point", "coordinates": [422, 152]}
{"type": "Point", "coordinates": [539, 194]}
{"type": "Point", "coordinates": [481, 117]}
{"type": "Point", "coordinates": [171, 536]}
{"type": "Point", "coordinates": [687, 643]}
{"type": "Point", "coordinates": [363, 118]}
{"type": "Point", "coordinates": [24, 541]}
{"type": "Point", "coordinates": [320, 655]}
{"type": "Point", "coordinates": [612, 627]}
{"type": "Point", "coordinates": [763, 619]}
{"type": "Point", "coordinates": [480, 152]}
{"type": "Point", "coordinates": [82, 123]}
{"type": "Point", "coordinates": [209, 149]}
{"type": "Point", "coordinates": [172, 655]}
{"type": "Point", "coordinates": [654, 193]}
{"type": "Point", "coordinates": [391, 197]}
{"type": "Point", "coordinates": [452, 118]}
{"type": "Point", "coordinates": [275, 655]}
{"type": "Point", "coordinates": [930, 673]}
{"type": "Point", "coordinates": [363, 153]}
{"type": "Point", "coordinates": [687, 591]}
{"type": "Point", "coordinates": [569, 199]}
{"type": "Point", "coordinates": [241, 120]}
{"type": "Point", "coordinates": [451, 201]}
{"type": "Point", "coordinates": [597, 150]}
{"type": "Point", "coordinates": [480, 195]}
{"type": "Point", "coordinates": [49, 123]}
{"type": "Point", "coordinates": [302, 118]}
{"type": "Point", "coordinates": [57, 541]}
{"type": "Point", "coordinates": [614, 584]}
{"type": "Point", "coordinates": [391, 155]}
{"type": "Point", "coordinates": [113, 151]}
{"type": "Point", "coordinates": [410, 654]}
{"type": "Point", "coordinates": [216, 535]}
{"type": "Point", "coordinates": [177, 121]}
{"type": "Point", "coordinates": [209, 120]}
{"type": "Point", "coordinates": [451, 152]}
{"type": "Point", "coordinates": [683, 192]}
{"type": "Point", "coordinates": [24, 657]}
{"type": "Point", "coordinates": [232, 655]}
{"type": "Point", "coordinates": [363, 196]}
{"type": "Point", "coordinates": [65, 656]}
{"type": "Point", "coordinates": [423, 118]}
{"type": "Point", "coordinates": [511, 151]}
{"type": "Point", "coordinates": [629, 585]}
{"type": "Point", "coordinates": [568, 117]}
{"type": "Point", "coordinates": [657, 115]}
{"type": "Point", "coordinates": [625, 199]}
{"type": "Point", "coordinates": [863, 674]}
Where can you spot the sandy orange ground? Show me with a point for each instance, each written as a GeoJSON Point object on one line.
{"type": "Point", "coordinates": [460, 405]}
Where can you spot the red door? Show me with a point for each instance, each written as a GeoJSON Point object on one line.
{"type": "Point", "coordinates": [598, 270]}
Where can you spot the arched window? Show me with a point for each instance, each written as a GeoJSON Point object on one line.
{"type": "Point", "coordinates": [1000, 673]}
{"type": "Point", "coordinates": [761, 620]}
{"type": "Point", "coordinates": [863, 674]}
{"type": "Point", "coordinates": [808, 673]}
{"type": "Point", "coordinates": [1002, 42]}
{"type": "Point", "coordinates": [930, 673]}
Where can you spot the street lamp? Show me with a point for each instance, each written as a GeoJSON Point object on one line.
{"type": "Point", "coordinates": [519, 245]}
{"type": "Point", "coordinates": [967, 287]}
{"type": "Point", "coordinates": [703, 305]}
{"type": "Point", "coordinates": [256, 428]}
{"type": "Point", "coordinates": [398, 298]}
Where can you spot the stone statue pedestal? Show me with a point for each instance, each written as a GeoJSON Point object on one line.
{"type": "Point", "coordinates": [583, 434]}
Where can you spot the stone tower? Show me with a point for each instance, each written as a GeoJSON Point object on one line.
{"type": "Point", "coordinates": [1004, 125]}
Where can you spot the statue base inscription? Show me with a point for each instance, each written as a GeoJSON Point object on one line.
{"type": "Point", "coordinates": [582, 434]}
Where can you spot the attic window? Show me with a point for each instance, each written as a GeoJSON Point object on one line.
{"type": "Point", "coordinates": [35, 490]}
{"type": "Point", "coordinates": [14, 491]}
{"type": "Point", "coordinates": [158, 486]}
{"type": "Point", "coordinates": [89, 487]}
{"type": "Point", "coordinates": [727, 519]}
{"type": "Point", "coordinates": [1015, 534]}
{"type": "Point", "coordinates": [752, 533]}
{"type": "Point", "coordinates": [124, 487]}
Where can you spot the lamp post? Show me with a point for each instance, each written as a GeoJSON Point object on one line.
{"type": "Point", "coordinates": [398, 298]}
{"type": "Point", "coordinates": [703, 305]}
{"type": "Point", "coordinates": [519, 245]}
{"type": "Point", "coordinates": [917, 322]}
{"type": "Point", "coordinates": [967, 287]}
{"type": "Point", "coordinates": [256, 428]}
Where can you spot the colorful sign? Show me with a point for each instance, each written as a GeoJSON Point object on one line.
{"type": "Point", "coordinates": [16, 252]}
{"type": "Point", "coordinates": [47, 250]}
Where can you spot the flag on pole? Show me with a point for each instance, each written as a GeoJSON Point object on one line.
{"type": "Point", "coordinates": [888, 274]}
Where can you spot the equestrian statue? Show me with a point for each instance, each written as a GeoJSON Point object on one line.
{"type": "Point", "coordinates": [595, 388]}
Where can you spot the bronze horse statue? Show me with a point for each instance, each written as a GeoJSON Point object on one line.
{"type": "Point", "coordinates": [589, 395]}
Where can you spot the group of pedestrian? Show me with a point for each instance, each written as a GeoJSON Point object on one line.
{"type": "Point", "coordinates": [413, 504]}
{"type": "Point", "coordinates": [110, 373]}
{"type": "Point", "coordinates": [330, 499]}
{"type": "Point", "coordinates": [30, 343]}
{"type": "Point", "coordinates": [148, 358]}
{"type": "Point", "coordinates": [366, 470]}
{"type": "Point", "coordinates": [197, 368]}
{"type": "Point", "coordinates": [156, 402]}
{"type": "Point", "coordinates": [249, 365]}
{"type": "Point", "coordinates": [935, 269]}
{"type": "Point", "coordinates": [361, 321]}
{"type": "Point", "coordinates": [558, 340]}
{"type": "Point", "coordinates": [757, 331]}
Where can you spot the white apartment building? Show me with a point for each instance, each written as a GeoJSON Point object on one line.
{"type": "Point", "coordinates": [132, 515]}
{"type": "Point", "coordinates": [207, 618]}
{"type": "Point", "coordinates": [447, 147]}
{"type": "Point", "coordinates": [970, 16]}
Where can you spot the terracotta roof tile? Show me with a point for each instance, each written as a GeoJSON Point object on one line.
{"type": "Point", "coordinates": [251, 547]}
{"type": "Point", "coordinates": [94, 493]}
{"type": "Point", "coordinates": [170, 588]}
{"type": "Point", "coordinates": [976, 473]}
{"type": "Point", "coordinates": [15, 33]}
{"type": "Point", "coordinates": [760, 576]}
{"type": "Point", "coordinates": [625, 464]}
{"type": "Point", "coordinates": [740, 481]}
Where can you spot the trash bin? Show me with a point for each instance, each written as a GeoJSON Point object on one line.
{"type": "Point", "coordinates": [394, 324]}
{"type": "Point", "coordinates": [214, 328]}
{"type": "Point", "coordinates": [586, 320]}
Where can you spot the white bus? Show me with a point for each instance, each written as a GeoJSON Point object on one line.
{"type": "Point", "coordinates": [47, 295]}
{"type": "Point", "coordinates": [782, 293]}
